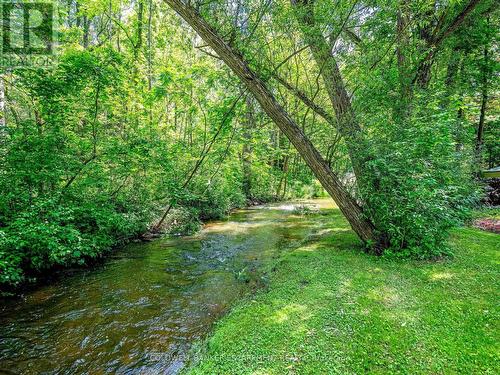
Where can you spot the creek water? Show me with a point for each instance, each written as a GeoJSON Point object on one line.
{"type": "Point", "coordinates": [141, 311]}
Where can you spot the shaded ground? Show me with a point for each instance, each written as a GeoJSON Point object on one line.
{"type": "Point", "coordinates": [330, 309]}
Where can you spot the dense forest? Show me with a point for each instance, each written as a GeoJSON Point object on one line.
{"type": "Point", "coordinates": [155, 116]}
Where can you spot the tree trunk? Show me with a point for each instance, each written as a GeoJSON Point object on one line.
{"type": "Point", "coordinates": [86, 31]}
{"type": "Point", "coordinates": [77, 14]}
{"type": "Point", "coordinates": [453, 82]}
{"type": "Point", "coordinates": [2, 105]}
{"type": "Point", "coordinates": [482, 113]}
{"type": "Point", "coordinates": [246, 156]}
{"type": "Point", "coordinates": [405, 85]}
{"type": "Point", "coordinates": [480, 128]}
{"type": "Point", "coordinates": [353, 212]}
{"type": "Point", "coordinates": [138, 44]}
{"type": "Point", "coordinates": [204, 153]}
{"type": "Point", "coordinates": [347, 124]}
{"type": "Point", "coordinates": [434, 39]}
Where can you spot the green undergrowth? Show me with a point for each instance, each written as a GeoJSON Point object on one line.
{"type": "Point", "coordinates": [330, 308]}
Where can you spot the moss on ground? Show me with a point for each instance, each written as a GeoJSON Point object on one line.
{"type": "Point", "coordinates": [329, 308]}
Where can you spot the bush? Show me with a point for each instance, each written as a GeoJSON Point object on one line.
{"type": "Point", "coordinates": [183, 221]}
{"type": "Point", "coordinates": [50, 234]}
{"type": "Point", "coordinates": [415, 211]}
{"type": "Point", "coordinates": [420, 189]}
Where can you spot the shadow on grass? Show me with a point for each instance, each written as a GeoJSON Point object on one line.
{"type": "Point", "coordinates": [331, 308]}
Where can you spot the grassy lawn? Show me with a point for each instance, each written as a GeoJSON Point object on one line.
{"type": "Point", "coordinates": [330, 309]}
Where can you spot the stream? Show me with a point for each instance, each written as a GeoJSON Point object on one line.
{"type": "Point", "coordinates": [141, 311]}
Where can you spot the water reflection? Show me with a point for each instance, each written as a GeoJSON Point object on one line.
{"type": "Point", "coordinates": [141, 310]}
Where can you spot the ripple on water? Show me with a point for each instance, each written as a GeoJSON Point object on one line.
{"type": "Point", "coordinates": [142, 310]}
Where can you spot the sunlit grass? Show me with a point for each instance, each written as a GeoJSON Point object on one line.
{"type": "Point", "coordinates": [330, 308]}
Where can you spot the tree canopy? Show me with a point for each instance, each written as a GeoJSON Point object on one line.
{"type": "Point", "coordinates": [164, 114]}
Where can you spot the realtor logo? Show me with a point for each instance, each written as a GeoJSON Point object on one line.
{"type": "Point", "coordinates": [27, 33]}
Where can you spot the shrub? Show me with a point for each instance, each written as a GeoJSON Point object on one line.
{"type": "Point", "coordinates": [48, 234]}
{"type": "Point", "coordinates": [420, 188]}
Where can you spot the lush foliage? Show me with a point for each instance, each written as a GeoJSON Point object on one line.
{"type": "Point", "coordinates": [137, 120]}
{"type": "Point", "coordinates": [420, 77]}
{"type": "Point", "coordinates": [97, 146]}
{"type": "Point", "coordinates": [421, 187]}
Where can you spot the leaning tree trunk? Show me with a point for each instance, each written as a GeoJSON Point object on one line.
{"type": "Point", "coordinates": [352, 211]}
{"type": "Point", "coordinates": [347, 124]}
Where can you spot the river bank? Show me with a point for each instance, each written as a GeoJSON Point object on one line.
{"type": "Point", "coordinates": [330, 308]}
{"type": "Point", "coordinates": [180, 222]}
{"type": "Point", "coordinates": [143, 309]}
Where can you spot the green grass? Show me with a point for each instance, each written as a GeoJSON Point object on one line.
{"type": "Point", "coordinates": [329, 308]}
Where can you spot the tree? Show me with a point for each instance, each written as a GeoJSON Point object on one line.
{"type": "Point", "coordinates": [352, 211]}
{"type": "Point", "coordinates": [419, 34]}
